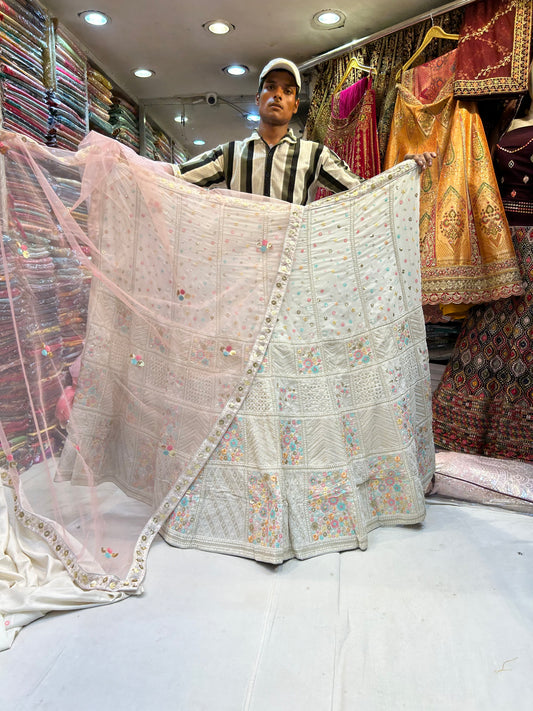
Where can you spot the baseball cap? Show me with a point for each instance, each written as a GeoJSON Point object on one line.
{"type": "Point", "coordinates": [281, 63]}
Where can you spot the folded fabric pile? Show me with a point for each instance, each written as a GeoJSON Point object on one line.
{"type": "Point", "coordinates": [162, 146]}
{"type": "Point", "coordinates": [68, 103]}
{"type": "Point", "coordinates": [100, 99]}
{"type": "Point", "coordinates": [21, 69]}
{"type": "Point", "coordinates": [124, 119]}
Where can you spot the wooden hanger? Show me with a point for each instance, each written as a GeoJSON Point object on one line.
{"type": "Point", "coordinates": [354, 63]}
{"type": "Point", "coordinates": [434, 32]}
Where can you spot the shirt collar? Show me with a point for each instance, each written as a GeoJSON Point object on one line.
{"type": "Point", "coordinates": [289, 137]}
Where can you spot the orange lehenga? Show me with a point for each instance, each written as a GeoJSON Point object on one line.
{"type": "Point", "coordinates": [466, 248]}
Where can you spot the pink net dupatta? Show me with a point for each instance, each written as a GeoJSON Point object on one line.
{"type": "Point", "coordinates": [184, 289]}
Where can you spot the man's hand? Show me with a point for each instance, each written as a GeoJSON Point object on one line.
{"type": "Point", "coordinates": [423, 160]}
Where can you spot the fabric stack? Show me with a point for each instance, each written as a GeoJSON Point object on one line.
{"type": "Point", "coordinates": [124, 118]}
{"type": "Point", "coordinates": [162, 146]}
{"type": "Point", "coordinates": [21, 68]}
{"type": "Point", "coordinates": [149, 141]}
{"type": "Point", "coordinates": [68, 103]}
{"type": "Point", "coordinates": [100, 100]}
{"type": "Point", "coordinates": [45, 325]}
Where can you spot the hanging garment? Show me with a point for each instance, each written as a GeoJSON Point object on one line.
{"type": "Point", "coordinates": [352, 130]}
{"type": "Point", "coordinates": [493, 51]}
{"type": "Point", "coordinates": [466, 249]}
{"type": "Point", "coordinates": [308, 447]}
{"type": "Point", "coordinates": [484, 403]}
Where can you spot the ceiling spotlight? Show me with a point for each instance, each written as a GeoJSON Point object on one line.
{"type": "Point", "coordinates": [329, 19]}
{"type": "Point", "coordinates": [143, 73]}
{"type": "Point", "coordinates": [236, 70]}
{"type": "Point", "coordinates": [218, 27]}
{"type": "Point", "coordinates": [254, 117]}
{"type": "Point", "coordinates": [180, 118]}
{"type": "Point", "coordinates": [199, 142]}
{"type": "Point", "coordinates": [94, 17]}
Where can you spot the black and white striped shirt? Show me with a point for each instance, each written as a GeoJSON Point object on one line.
{"type": "Point", "coordinates": [292, 170]}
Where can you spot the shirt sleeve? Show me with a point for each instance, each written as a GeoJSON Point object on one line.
{"type": "Point", "coordinates": [206, 169]}
{"type": "Point", "coordinates": [334, 174]}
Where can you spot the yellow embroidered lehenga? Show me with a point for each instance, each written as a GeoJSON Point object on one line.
{"type": "Point", "coordinates": [466, 248]}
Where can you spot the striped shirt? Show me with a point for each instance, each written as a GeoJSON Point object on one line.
{"type": "Point", "coordinates": [292, 170]}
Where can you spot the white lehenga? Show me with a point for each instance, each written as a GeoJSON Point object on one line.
{"type": "Point", "coordinates": [254, 369]}
{"type": "Point", "coordinates": [334, 437]}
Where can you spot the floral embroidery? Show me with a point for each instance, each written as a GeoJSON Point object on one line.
{"type": "Point", "coordinates": [46, 351]}
{"type": "Point", "coordinates": [182, 295]}
{"type": "Point", "coordinates": [263, 245]}
{"type": "Point", "coordinates": [22, 249]}
{"type": "Point", "coordinates": [157, 343]}
{"type": "Point", "coordinates": [137, 360]}
{"type": "Point", "coordinates": [202, 351]}
{"type": "Point", "coordinates": [359, 351]}
{"type": "Point", "coordinates": [228, 351]}
{"type": "Point", "coordinates": [124, 321]}
{"type": "Point", "coordinates": [168, 450]}
{"type": "Point", "coordinates": [287, 397]}
{"type": "Point", "coordinates": [291, 442]}
{"type": "Point", "coordinates": [395, 378]}
{"type": "Point", "coordinates": [386, 490]}
{"type": "Point", "coordinates": [108, 553]}
{"type": "Point", "coordinates": [329, 506]}
{"type": "Point", "coordinates": [342, 393]}
{"type": "Point", "coordinates": [264, 364]}
{"type": "Point", "coordinates": [264, 523]}
{"type": "Point", "coordinates": [403, 334]}
{"type": "Point", "coordinates": [230, 448]}
{"type": "Point", "coordinates": [309, 361]}
{"type": "Point", "coordinates": [183, 515]}
{"type": "Point", "coordinates": [351, 440]}
{"type": "Point", "coordinates": [404, 418]}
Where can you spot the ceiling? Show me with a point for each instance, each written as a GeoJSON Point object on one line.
{"type": "Point", "coordinates": [168, 37]}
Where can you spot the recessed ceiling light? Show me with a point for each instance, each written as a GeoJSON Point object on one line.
{"type": "Point", "coordinates": [253, 117]}
{"type": "Point", "coordinates": [143, 73]}
{"type": "Point", "coordinates": [218, 27]}
{"type": "Point", "coordinates": [329, 19]}
{"type": "Point", "coordinates": [235, 70]}
{"type": "Point", "coordinates": [180, 118]}
{"type": "Point", "coordinates": [94, 17]}
{"type": "Point", "coordinates": [199, 142]}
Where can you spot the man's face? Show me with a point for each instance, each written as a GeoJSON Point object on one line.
{"type": "Point", "coordinates": [277, 100]}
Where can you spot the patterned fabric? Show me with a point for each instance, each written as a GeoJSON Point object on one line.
{"type": "Point", "coordinates": [291, 170]}
{"type": "Point", "coordinates": [334, 437]}
{"type": "Point", "coordinates": [352, 131]}
{"type": "Point", "coordinates": [466, 248]}
{"type": "Point", "coordinates": [514, 157]}
{"type": "Point", "coordinates": [484, 403]}
{"type": "Point", "coordinates": [256, 369]}
{"type": "Point", "coordinates": [493, 51]}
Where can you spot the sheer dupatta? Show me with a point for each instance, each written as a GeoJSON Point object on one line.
{"type": "Point", "coordinates": [183, 292]}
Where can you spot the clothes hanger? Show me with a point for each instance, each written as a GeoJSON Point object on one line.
{"type": "Point", "coordinates": [434, 32]}
{"type": "Point", "coordinates": [354, 63]}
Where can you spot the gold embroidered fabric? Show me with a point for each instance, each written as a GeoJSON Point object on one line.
{"type": "Point", "coordinates": [493, 51]}
{"type": "Point", "coordinates": [466, 248]}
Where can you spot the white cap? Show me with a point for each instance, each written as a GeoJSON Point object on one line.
{"type": "Point", "coordinates": [281, 63]}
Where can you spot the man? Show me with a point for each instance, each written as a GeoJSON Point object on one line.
{"type": "Point", "coordinates": [272, 161]}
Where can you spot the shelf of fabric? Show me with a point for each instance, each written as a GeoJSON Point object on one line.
{"type": "Point", "coordinates": [22, 40]}
{"type": "Point", "coordinates": [100, 91]}
{"type": "Point", "coordinates": [68, 104]}
{"type": "Point", "coordinates": [42, 323]}
{"type": "Point", "coordinates": [124, 118]}
{"type": "Point", "coordinates": [162, 145]}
